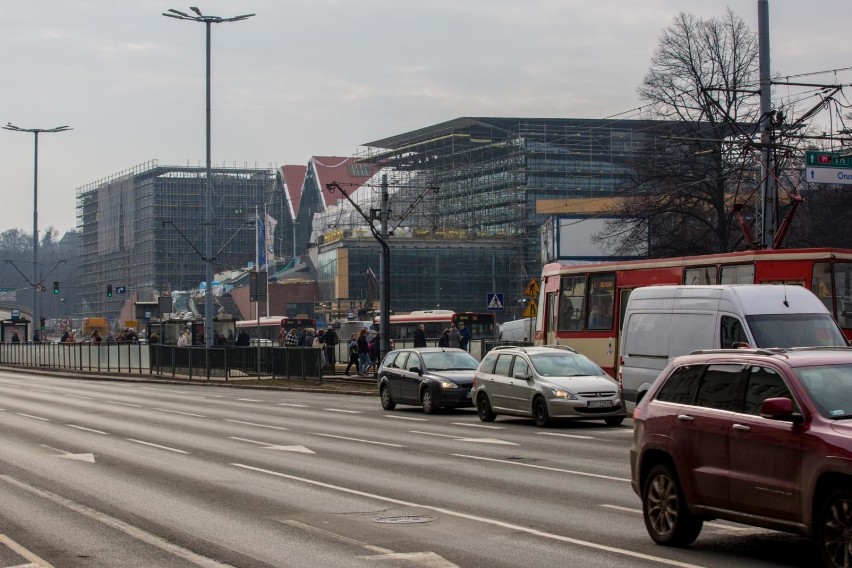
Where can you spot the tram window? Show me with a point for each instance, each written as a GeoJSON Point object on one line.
{"type": "Point", "coordinates": [821, 284]}
{"type": "Point", "coordinates": [738, 274]}
{"type": "Point", "coordinates": [702, 275]}
{"type": "Point", "coordinates": [571, 303]}
{"type": "Point", "coordinates": [843, 288]}
{"type": "Point", "coordinates": [601, 302]}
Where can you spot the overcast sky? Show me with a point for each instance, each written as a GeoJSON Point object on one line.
{"type": "Point", "coordinates": [323, 77]}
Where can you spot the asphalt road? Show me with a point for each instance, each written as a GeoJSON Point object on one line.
{"type": "Point", "coordinates": [96, 473]}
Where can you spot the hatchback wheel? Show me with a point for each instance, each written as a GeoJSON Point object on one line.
{"type": "Point", "coordinates": [834, 529]}
{"type": "Point", "coordinates": [614, 420]}
{"type": "Point", "coordinates": [667, 516]}
{"type": "Point", "coordinates": [387, 401]}
{"type": "Point", "coordinates": [428, 402]}
{"type": "Point", "coordinates": [540, 413]}
{"type": "Point", "coordinates": [483, 409]}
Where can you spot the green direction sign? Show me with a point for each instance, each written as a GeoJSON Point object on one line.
{"type": "Point", "coordinates": [828, 167]}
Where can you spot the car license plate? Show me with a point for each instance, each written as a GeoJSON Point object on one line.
{"type": "Point", "coordinates": [598, 403]}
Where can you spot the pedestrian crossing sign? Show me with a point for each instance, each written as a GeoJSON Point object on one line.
{"type": "Point", "coordinates": [495, 301]}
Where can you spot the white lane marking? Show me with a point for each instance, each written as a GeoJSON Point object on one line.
{"type": "Point", "coordinates": [293, 405]}
{"type": "Point", "coordinates": [157, 446]}
{"type": "Point", "coordinates": [357, 440]}
{"type": "Point", "coordinates": [24, 553]}
{"type": "Point", "coordinates": [123, 403]}
{"type": "Point", "coordinates": [126, 528]}
{"type": "Point", "coordinates": [268, 446]}
{"type": "Point", "coordinates": [344, 411]}
{"type": "Point", "coordinates": [39, 390]}
{"type": "Point", "coordinates": [706, 524]}
{"type": "Point", "coordinates": [468, 516]}
{"type": "Point", "coordinates": [576, 436]}
{"type": "Point", "coordinates": [476, 425]}
{"type": "Point", "coordinates": [179, 412]}
{"type": "Point", "coordinates": [462, 439]}
{"type": "Point", "coordinates": [255, 424]}
{"type": "Point", "coordinates": [248, 400]}
{"type": "Point", "coordinates": [86, 429]}
{"type": "Point", "coordinates": [31, 416]}
{"type": "Point", "coordinates": [544, 467]}
{"type": "Point", "coordinates": [70, 456]}
{"type": "Point", "coordinates": [406, 418]}
{"type": "Point", "coordinates": [79, 396]}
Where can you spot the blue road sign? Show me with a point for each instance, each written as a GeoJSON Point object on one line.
{"type": "Point", "coordinates": [495, 301]}
{"type": "Point", "coordinates": [120, 289]}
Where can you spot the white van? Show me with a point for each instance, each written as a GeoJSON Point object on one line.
{"type": "Point", "coordinates": [662, 322]}
{"type": "Point", "coordinates": [517, 330]}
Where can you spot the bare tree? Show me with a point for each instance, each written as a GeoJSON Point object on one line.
{"type": "Point", "coordinates": [702, 80]}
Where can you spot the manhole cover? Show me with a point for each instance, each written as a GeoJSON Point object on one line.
{"type": "Point", "coordinates": [405, 520]}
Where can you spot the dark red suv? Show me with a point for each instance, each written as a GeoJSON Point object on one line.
{"type": "Point", "coordinates": [760, 437]}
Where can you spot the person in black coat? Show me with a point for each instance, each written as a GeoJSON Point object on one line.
{"type": "Point", "coordinates": [420, 336]}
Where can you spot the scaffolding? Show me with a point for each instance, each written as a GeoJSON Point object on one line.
{"type": "Point", "coordinates": [141, 230]}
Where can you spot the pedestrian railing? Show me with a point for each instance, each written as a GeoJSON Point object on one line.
{"type": "Point", "coordinates": [100, 357]}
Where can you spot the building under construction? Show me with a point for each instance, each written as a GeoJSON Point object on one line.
{"type": "Point", "coordinates": [468, 202]}
{"type": "Point", "coordinates": [142, 230]}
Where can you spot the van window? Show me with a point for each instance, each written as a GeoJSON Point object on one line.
{"type": "Point", "coordinates": [720, 388]}
{"type": "Point", "coordinates": [732, 333]}
{"type": "Point", "coordinates": [687, 332]}
{"type": "Point", "coordinates": [571, 303]}
{"type": "Point", "coordinates": [646, 335]}
{"type": "Point", "coordinates": [795, 330]}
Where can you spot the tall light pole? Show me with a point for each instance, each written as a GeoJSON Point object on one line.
{"type": "Point", "coordinates": [208, 205]}
{"type": "Point", "coordinates": [36, 280]}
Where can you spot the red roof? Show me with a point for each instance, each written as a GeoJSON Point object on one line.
{"type": "Point", "coordinates": [345, 171]}
{"type": "Point", "coordinates": [294, 180]}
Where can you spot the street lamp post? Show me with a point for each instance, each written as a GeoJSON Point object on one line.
{"type": "Point", "coordinates": [208, 206]}
{"type": "Point", "coordinates": [36, 284]}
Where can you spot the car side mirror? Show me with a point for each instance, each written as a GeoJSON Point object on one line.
{"type": "Point", "coordinates": [523, 377]}
{"type": "Point", "coordinates": [780, 409]}
{"type": "Point", "coordinates": [417, 370]}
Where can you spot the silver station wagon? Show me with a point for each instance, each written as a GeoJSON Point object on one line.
{"type": "Point", "coordinates": [545, 383]}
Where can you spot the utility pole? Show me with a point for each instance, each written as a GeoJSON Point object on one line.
{"type": "Point", "coordinates": [769, 189]}
{"type": "Point", "coordinates": [384, 275]}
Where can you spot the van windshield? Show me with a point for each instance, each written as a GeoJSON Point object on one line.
{"type": "Point", "coordinates": [795, 330]}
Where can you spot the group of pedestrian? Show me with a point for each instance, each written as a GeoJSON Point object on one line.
{"type": "Point", "coordinates": [324, 339]}
{"type": "Point", "coordinates": [457, 337]}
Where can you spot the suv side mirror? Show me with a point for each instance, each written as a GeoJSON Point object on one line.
{"type": "Point", "coordinates": [780, 409]}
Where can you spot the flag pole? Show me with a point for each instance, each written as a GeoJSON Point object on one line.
{"type": "Point", "coordinates": [266, 255]}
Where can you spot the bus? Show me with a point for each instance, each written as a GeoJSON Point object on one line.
{"type": "Point", "coordinates": [268, 327]}
{"type": "Point", "coordinates": [402, 326]}
{"type": "Point", "coordinates": [583, 305]}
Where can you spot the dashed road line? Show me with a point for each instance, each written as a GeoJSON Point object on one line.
{"type": "Point", "coordinates": [87, 429]}
{"type": "Point", "coordinates": [34, 417]}
{"type": "Point", "coordinates": [357, 440]}
{"type": "Point", "coordinates": [255, 424]}
{"type": "Point", "coordinates": [544, 467]}
{"type": "Point", "coordinates": [153, 445]}
{"type": "Point", "coordinates": [181, 413]}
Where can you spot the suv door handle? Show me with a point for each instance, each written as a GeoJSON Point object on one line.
{"type": "Point", "coordinates": [685, 418]}
{"type": "Point", "coordinates": [741, 428]}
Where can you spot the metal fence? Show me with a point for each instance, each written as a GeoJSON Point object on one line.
{"type": "Point", "coordinates": [169, 360]}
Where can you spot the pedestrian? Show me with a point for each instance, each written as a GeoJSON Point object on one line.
{"type": "Point", "coordinates": [331, 341]}
{"type": "Point", "coordinates": [282, 337]}
{"type": "Point", "coordinates": [292, 338]}
{"type": "Point", "coordinates": [353, 353]}
{"type": "Point", "coordinates": [363, 352]}
{"type": "Point", "coordinates": [183, 339]}
{"type": "Point", "coordinates": [420, 336]}
{"type": "Point", "coordinates": [444, 340]}
{"type": "Point", "coordinates": [15, 337]}
{"type": "Point", "coordinates": [454, 337]}
{"type": "Point", "coordinates": [64, 337]}
{"type": "Point", "coordinates": [243, 339]}
{"type": "Point", "coordinates": [154, 337]}
{"type": "Point", "coordinates": [464, 336]}
{"type": "Point", "coordinates": [71, 338]}
{"type": "Point", "coordinates": [96, 336]}
{"type": "Point", "coordinates": [303, 335]}
{"type": "Point", "coordinates": [319, 343]}
{"type": "Point", "coordinates": [375, 350]}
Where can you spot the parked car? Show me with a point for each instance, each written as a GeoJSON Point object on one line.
{"type": "Point", "coordinates": [431, 377]}
{"type": "Point", "coordinates": [545, 383]}
{"type": "Point", "coordinates": [760, 437]}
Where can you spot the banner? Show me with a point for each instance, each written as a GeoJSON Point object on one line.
{"type": "Point", "coordinates": [270, 238]}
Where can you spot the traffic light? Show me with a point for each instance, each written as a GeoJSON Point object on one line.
{"type": "Point", "coordinates": [55, 287]}
{"type": "Point", "coordinates": [109, 290]}
{"type": "Point", "coordinates": [43, 323]}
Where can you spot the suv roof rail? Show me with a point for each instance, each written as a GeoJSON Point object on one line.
{"type": "Point", "coordinates": [498, 347]}
{"type": "Point", "coordinates": [820, 348]}
{"type": "Point", "coordinates": [563, 347]}
{"type": "Point", "coordinates": [750, 350]}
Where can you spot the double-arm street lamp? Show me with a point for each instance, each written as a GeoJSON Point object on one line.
{"type": "Point", "coordinates": [208, 207]}
{"type": "Point", "coordinates": [36, 281]}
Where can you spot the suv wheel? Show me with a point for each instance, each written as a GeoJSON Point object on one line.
{"type": "Point", "coordinates": [667, 516]}
{"type": "Point", "coordinates": [387, 401]}
{"type": "Point", "coordinates": [428, 401]}
{"type": "Point", "coordinates": [834, 528]}
{"type": "Point", "coordinates": [483, 409]}
{"type": "Point", "coordinates": [540, 413]}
